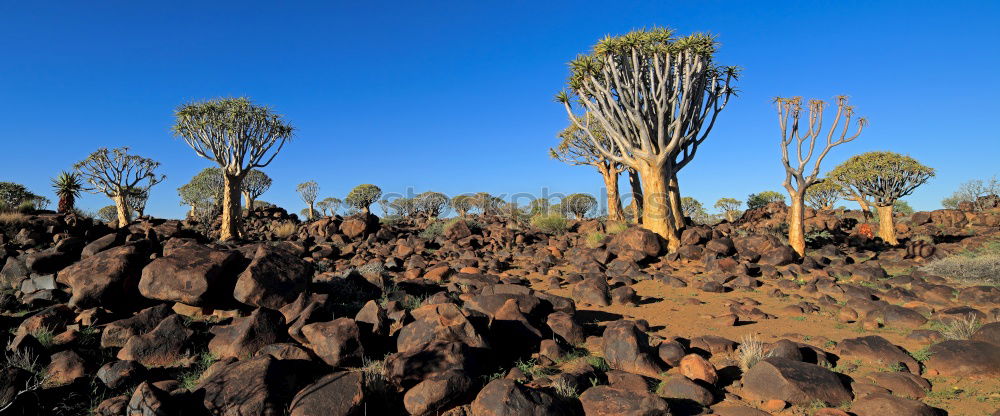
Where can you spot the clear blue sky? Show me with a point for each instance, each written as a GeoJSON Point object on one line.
{"type": "Point", "coordinates": [457, 96]}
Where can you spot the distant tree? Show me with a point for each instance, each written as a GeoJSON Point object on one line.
{"type": "Point", "coordinates": [136, 199]}
{"type": "Point", "coordinates": [538, 206]}
{"type": "Point", "coordinates": [329, 206]}
{"type": "Point", "coordinates": [432, 203]}
{"type": "Point", "coordinates": [203, 193]}
{"type": "Point", "coordinates": [382, 203]}
{"type": "Point", "coordinates": [108, 214]}
{"type": "Point", "coordinates": [973, 192]}
{"type": "Point", "coordinates": [67, 187]}
{"type": "Point", "coordinates": [362, 197]}
{"type": "Point", "coordinates": [799, 176]}
{"type": "Point", "coordinates": [885, 177]}
{"type": "Point", "coordinates": [656, 97]}
{"type": "Point", "coordinates": [902, 207]}
{"type": "Point", "coordinates": [486, 204]}
{"type": "Point", "coordinates": [579, 204]}
{"type": "Point", "coordinates": [849, 189]}
{"type": "Point", "coordinates": [255, 183]}
{"type": "Point", "coordinates": [239, 136]}
{"type": "Point", "coordinates": [730, 208]}
{"type": "Point", "coordinates": [761, 200]}
{"type": "Point", "coordinates": [13, 195]}
{"type": "Point", "coordinates": [115, 173]}
{"type": "Point", "coordinates": [462, 204]}
{"type": "Point", "coordinates": [693, 209]}
{"type": "Point", "coordinates": [309, 191]}
{"type": "Point", "coordinates": [576, 148]}
{"type": "Point", "coordinates": [403, 206]}
{"type": "Point", "coordinates": [823, 195]}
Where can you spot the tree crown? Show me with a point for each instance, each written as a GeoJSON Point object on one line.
{"type": "Point", "coordinates": [884, 176]}
{"type": "Point", "coordinates": [362, 196]}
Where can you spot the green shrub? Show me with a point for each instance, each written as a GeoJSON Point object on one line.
{"type": "Point", "coordinates": [550, 224]}
{"type": "Point", "coordinates": [595, 239]}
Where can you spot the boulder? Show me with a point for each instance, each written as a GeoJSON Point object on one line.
{"type": "Point", "coordinates": [191, 274]}
{"type": "Point", "coordinates": [408, 368]}
{"type": "Point", "coordinates": [118, 332]}
{"type": "Point", "coordinates": [504, 397]}
{"type": "Point", "coordinates": [566, 327]}
{"type": "Point", "coordinates": [104, 279]}
{"type": "Point", "coordinates": [794, 382]}
{"type": "Point", "coordinates": [638, 240]}
{"type": "Point", "coordinates": [273, 279]}
{"type": "Point", "coordinates": [877, 350]}
{"type": "Point", "coordinates": [337, 342]}
{"type": "Point", "coordinates": [261, 386]}
{"type": "Point", "coordinates": [242, 338]}
{"type": "Point", "coordinates": [443, 321]}
{"type": "Point", "coordinates": [881, 404]}
{"type": "Point", "coordinates": [626, 348]}
{"type": "Point", "coordinates": [608, 401]}
{"type": "Point", "coordinates": [341, 393]}
{"type": "Point", "coordinates": [119, 373]}
{"type": "Point", "coordinates": [592, 290]}
{"type": "Point", "coordinates": [164, 346]}
{"type": "Point", "coordinates": [680, 387]}
{"type": "Point", "coordinates": [960, 358]}
{"type": "Point", "coordinates": [436, 393]}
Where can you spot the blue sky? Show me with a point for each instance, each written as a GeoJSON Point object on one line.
{"type": "Point", "coordinates": [457, 96]}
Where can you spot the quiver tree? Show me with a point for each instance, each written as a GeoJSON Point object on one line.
{"type": "Point", "coordinates": [693, 209]}
{"type": "Point", "coordinates": [762, 199]}
{"type": "Point", "coordinates": [239, 136]}
{"type": "Point", "coordinates": [329, 206]}
{"type": "Point", "coordinates": [405, 207]}
{"type": "Point", "coordinates": [579, 204]}
{"type": "Point", "coordinates": [362, 197]}
{"type": "Point", "coordinates": [849, 190]}
{"type": "Point", "coordinates": [462, 204]}
{"type": "Point", "coordinates": [67, 187]}
{"type": "Point", "coordinates": [255, 183]}
{"type": "Point", "coordinates": [730, 208]}
{"type": "Point", "coordinates": [655, 97]}
{"type": "Point", "coordinates": [309, 191]}
{"type": "Point", "coordinates": [432, 203]}
{"type": "Point", "coordinates": [824, 194]}
{"type": "Point", "coordinates": [977, 194]}
{"type": "Point", "coordinates": [486, 204]}
{"type": "Point", "coordinates": [135, 200]}
{"type": "Point", "coordinates": [884, 177]}
{"type": "Point", "coordinates": [203, 193]}
{"type": "Point", "coordinates": [575, 148]}
{"type": "Point", "coordinates": [803, 144]}
{"type": "Point", "coordinates": [115, 173]}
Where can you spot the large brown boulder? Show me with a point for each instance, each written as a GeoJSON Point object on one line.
{"type": "Point", "coordinates": [164, 346]}
{"type": "Point", "coordinates": [794, 382]}
{"type": "Point", "coordinates": [636, 239]}
{"type": "Point", "coordinates": [436, 393]}
{"type": "Point", "coordinates": [337, 394]}
{"type": "Point", "coordinates": [273, 279]}
{"type": "Point", "coordinates": [116, 333]}
{"type": "Point", "coordinates": [406, 369]}
{"type": "Point", "coordinates": [878, 351]}
{"type": "Point", "coordinates": [609, 401]}
{"type": "Point", "coordinates": [627, 348]}
{"type": "Point", "coordinates": [444, 321]}
{"type": "Point", "coordinates": [103, 279]}
{"type": "Point", "coordinates": [261, 386]}
{"type": "Point", "coordinates": [504, 397]}
{"type": "Point", "coordinates": [191, 274]}
{"type": "Point", "coordinates": [246, 335]}
{"type": "Point", "coordinates": [960, 358]}
{"type": "Point", "coordinates": [337, 342]}
{"type": "Point", "coordinates": [593, 290]}
{"type": "Point", "coordinates": [881, 404]}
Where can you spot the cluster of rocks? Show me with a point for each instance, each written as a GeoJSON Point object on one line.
{"type": "Point", "coordinates": [347, 316]}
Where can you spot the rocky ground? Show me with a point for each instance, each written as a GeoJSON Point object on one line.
{"type": "Point", "coordinates": [353, 316]}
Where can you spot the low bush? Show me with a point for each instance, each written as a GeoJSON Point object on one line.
{"type": "Point", "coordinates": [550, 224]}
{"type": "Point", "coordinates": [982, 268]}
{"type": "Point", "coordinates": [284, 229]}
{"type": "Point", "coordinates": [595, 239]}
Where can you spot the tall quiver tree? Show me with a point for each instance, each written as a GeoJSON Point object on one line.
{"type": "Point", "coordinates": [803, 144]}
{"type": "Point", "coordinates": [115, 173]}
{"type": "Point", "coordinates": [239, 136]}
{"type": "Point", "coordinates": [67, 186]}
{"type": "Point", "coordinates": [656, 97]}
{"type": "Point", "coordinates": [254, 185]}
{"type": "Point", "coordinates": [575, 148]}
{"type": "Point", "coordinates": [885, 177]}
{"type": "Point", "coordinates": [309, 191]}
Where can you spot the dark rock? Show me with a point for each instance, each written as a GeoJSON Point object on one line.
{"type": "Point", "coordinates": [626, 348]}
{"type": "Point", "coordinates": [104, 279]}
{"type": "Point", "coordinates": [337, 342]}
{"type": "Point", "coordinates": [794, 382]}
{"type": "Point", "coordinates": [503, 397]}
{"type": "Point", "coordinates": [191, 274]}
{"type": "Point", "coordinates": [244, 336]}
{"type": "Point", "coordinates": [273, 279]}
{"type": "Point", "coordinates": [338, 394]}
{"type": "Point", "coordinates": [607, 401]}
{"type": "Point", "coordinates": [164, 346]}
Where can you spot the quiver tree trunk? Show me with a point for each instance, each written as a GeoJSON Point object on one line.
{"type": "Point", "coordinates": [249, 201]}
{"type": "Point", "coordinates": [866, 211]}
{"type": "Point", "coordinates": [656, 215]}
{"type": "Point", "coordinates": [615, 211]}
{"type": "Point", "coordinates": [886, 225]}
{"type": "Point", "coordinates": [676, 210]}
{"type": "Point", "coordinates": [230, 207]}
{"type": "Point", "coordinates": [122, 209]}
{"type": "Point", "coordinates": [312, 211]}
{"type": "Point", "coordinates": [637, 198]}
{"type": "Point", "coordinates": [796, 226]}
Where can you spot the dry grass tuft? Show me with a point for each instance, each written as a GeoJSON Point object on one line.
{"type": "Point", "coordinates": [961, 328]}
{"type": "Point", "coordinates": [750, 352]}
{"type": "Point", "coordinates": [284, 229]}
{"type": "Point", "coordinates": [13, 218]}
